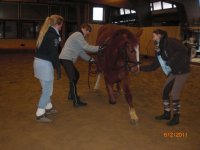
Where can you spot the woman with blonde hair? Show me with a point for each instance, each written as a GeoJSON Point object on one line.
{"type": "Point", "coordinates": [46, 60]}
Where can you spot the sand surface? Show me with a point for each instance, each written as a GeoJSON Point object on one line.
{"type": "Point", "coordinates": [99, 126]}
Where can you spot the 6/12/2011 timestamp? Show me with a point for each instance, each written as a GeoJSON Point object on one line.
{"type": "Point", "coordinates": [175, 134]}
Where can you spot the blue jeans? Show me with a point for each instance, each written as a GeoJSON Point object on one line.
{"type": "Point", "coordinates": [47, 90]}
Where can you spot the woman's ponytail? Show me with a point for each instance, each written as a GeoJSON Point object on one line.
{"type": "Point", "coordinates": [43, 31]}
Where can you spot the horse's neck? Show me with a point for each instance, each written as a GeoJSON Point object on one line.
{"type": "Point", "coordinates": [107, 40]}
{"type": "Point", "coordinates": [104, 41]}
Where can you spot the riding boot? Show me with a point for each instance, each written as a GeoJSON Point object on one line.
{"type": "Point", "coordinates": [77, 102]}
{"type": "Point", "coordinates": [174, 121]}
{"type": "Point", "coordinates": [165, 116]}
{"type": "Point", "coordinates": [72, 90]}
{"type": "Point", "coordinates": [176, 111]}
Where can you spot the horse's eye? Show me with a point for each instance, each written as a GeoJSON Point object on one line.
{"type": "Point", "coordinates": [132, 50]}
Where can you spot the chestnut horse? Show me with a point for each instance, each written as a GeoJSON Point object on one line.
{"type": "Point", "coordinates": [120, 57]}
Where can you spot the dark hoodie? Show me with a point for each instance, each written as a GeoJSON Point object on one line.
{"type": "Point", "coordinates": [176, 56]}
{"type": "Point", "coordinates": [49, 48]}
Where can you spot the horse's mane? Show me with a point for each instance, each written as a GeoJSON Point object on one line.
{"type": "Point", "coordinates": [115, 38]}
{"type": "Point", "coordinates": [105, 33]}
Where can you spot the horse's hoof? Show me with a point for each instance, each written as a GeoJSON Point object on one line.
{"type": "Point", "coordinates": [95, 90]}
{"type": "Point", "coordinates": [134, 122]}
{"type": "Point", "coordinates": [134, 117]}
{"type": "Point", "coordinates": [117, 93]}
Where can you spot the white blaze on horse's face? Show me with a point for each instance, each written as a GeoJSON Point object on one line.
{"type": "Point", "coordinates": [133, 56]}
{"type": "Point", "coordinates": [137, 54]}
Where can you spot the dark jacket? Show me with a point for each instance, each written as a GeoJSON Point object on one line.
{"type": "Point", "coordinates": [49, 48]}
{"type": "Point", "coordinates": [176, 56]}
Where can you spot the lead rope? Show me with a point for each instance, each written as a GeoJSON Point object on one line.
{"type": "Point", "coordinates": [92, 70]}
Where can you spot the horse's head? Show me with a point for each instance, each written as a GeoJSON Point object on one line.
{"type": "Point", "coordinates": [122, 50]}
{"type": "Point", "coordinates": [128, 49]}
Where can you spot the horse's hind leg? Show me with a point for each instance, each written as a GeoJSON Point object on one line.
{"type": "Point", "coordinates": [128, 96]}
{"type": "Point", "coordinates": [109, 88]}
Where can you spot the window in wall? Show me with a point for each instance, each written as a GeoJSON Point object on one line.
{"type": "Point", "coordinates": [167, 5]}
{"type": "Point", "coordinates": [161, 5]}
{"type": "Point", "coordinates": [37, 26]}
{"type": "Point", "coordinates": [10, 29]}
{"type": "Point", "coordinates": [151, 6]}
{"type": "Point", "coordinates": [28, 30]}
{"type": "Point", "coordinates": [157, 5]}
{"type": "Point", "coordinates": [9, 11]}
{"type": "Point", "coordinates": [1, 30]}
{"type": "Point", "coordinates": [121, 11]}
{"type": "Point", "coordinates": [127, 11]}
{"type": "Point", "coordinates": [34, 11]}
{"type": "Point", "coordinates": [133, 11]}
{"type": "Point", "coordinates": [97, 14]}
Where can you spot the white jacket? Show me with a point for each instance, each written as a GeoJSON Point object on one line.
{"type": "Point", "coordinates": [75, 46]}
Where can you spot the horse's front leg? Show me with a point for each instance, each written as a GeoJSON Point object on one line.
{"type": "Point", "coordinates": [128, 97]}
{"type": "Point", "coordinates": [109, 88]}
{"type": "Point", "coordinates": [96, 87]}
{"type": "Point", "coordinates": [116, 89]}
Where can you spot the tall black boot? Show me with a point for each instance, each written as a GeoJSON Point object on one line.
{"type": "Point", "coordinates": [176, 111]}
{"type": "Point", "coordinates": [77, 102]}
{"type": "Point", "coordinates": [174, 121]}
{"type": "Point", "coordinates": [165, 116]}
{"type": "Point", "coordinates": [76, 99]}
{"type": "Point", "coordinates": [72, 90]}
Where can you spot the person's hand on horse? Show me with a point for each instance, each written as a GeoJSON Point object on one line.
{"type": "Point", "coordinates": [102, 47]}
{"type": "Point", "coordinates": [92, 61]}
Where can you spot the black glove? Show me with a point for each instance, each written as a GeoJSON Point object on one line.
{"type": "Point", "coordinates": [92, 61]}
{"type": "Point", "coordinates": [102, 47]}
{"type": "Point", "coordinates": [167, 63]}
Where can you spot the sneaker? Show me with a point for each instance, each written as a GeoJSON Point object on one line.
{"type": "Point", "coordinates": [51, 111]}
{"type": "Point", "coordinates": [43, 119]}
